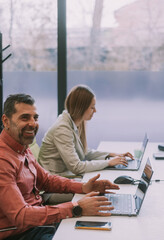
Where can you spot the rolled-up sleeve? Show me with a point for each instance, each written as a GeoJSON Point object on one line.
{"type": "Point", "coordinates": [25, 211]}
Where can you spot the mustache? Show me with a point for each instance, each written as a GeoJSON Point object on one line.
{"type": "Point", "coordinates": [30, 128]}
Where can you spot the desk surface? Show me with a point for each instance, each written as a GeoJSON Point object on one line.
{"type": "Point", "coordinates": [148, 225]}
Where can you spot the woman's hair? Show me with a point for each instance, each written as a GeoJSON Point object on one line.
{"type": "Point", "coordinates": [76, 103]}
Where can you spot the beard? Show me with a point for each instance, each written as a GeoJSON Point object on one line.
{"type": "Point", "coordinates": [26, 139]}
{"type": "Point", "coordinates": [24, 136]}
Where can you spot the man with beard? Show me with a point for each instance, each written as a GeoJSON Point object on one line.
{"type": "Point", "coordinates": [22, 210]}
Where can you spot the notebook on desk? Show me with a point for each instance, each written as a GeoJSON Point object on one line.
{"type": "Point", "coordinates": [133, 165]}
{"type": "Point", "coordinates": [128, 204]}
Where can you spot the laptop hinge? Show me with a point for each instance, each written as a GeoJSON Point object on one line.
{"type": "Point", "coordinates": [135, 197]}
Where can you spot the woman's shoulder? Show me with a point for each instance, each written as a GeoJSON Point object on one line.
{"type": "Point", "coordinates": [63, 121]}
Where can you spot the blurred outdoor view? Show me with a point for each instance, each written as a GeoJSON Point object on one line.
{"type": "Point", "coordinates": [115, 47]}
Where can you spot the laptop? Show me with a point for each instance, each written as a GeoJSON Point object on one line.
{"type": "Point", "coordinates": [128, 204]}
{"type": "Point", "coordinates": [133, 165]}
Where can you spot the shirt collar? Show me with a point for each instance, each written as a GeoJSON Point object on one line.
{"type": "Point", "coordinates": [12, 143]}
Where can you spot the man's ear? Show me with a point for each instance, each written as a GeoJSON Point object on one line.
{"type": "Point", "coordinates": [6, 122]}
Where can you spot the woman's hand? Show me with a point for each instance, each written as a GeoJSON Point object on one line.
{"type": "Point", "coordinates": [127, 154]}
{"type": "Point", "coordinates": [117, 160]}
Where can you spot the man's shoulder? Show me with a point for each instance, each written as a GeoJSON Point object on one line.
{"type": "Point", "coordinates": [4, 148]}
{"type": "Point", "coordinates": [9, 157]}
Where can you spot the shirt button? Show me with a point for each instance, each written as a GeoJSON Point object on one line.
{"type": "Point", "coordinates": [37, 196]}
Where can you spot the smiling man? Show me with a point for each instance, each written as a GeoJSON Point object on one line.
{"type": "Point", "coordinates": [20, 119]}
{"type": "Point", "coordinates": [23, 213]}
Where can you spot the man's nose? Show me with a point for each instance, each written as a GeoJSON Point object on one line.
{"type": "Point", "coordinates": [32, 122]}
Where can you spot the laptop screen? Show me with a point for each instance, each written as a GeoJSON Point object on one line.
{"type": "Point", "coordinates": [143, 147]}
{"type": "Point", "coordinates": [143, 184]}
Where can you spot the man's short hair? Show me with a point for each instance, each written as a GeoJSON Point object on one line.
{"type": "Point", "coordinates": [9, 105]}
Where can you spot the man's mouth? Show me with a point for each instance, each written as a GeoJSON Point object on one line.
{"type": "Point", "coordinates": [29, 133]}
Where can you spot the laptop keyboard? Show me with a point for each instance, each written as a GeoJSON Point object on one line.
{"type": "Point", "coordinates": [122, 203]}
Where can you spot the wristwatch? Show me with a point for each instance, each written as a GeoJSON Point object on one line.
{"type": "Point", "coordinates": [76, 210]}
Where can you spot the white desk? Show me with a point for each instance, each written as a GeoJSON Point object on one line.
{"type": "Point", "coordinates": [148, 225]}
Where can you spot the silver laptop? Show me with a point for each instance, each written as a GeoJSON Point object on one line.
{"type": "Point", "coordinates": [128, 204]}
{"type": "Point", "coordinates": [133, 165]}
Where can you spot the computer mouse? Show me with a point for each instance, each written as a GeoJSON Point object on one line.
{"type": "Point", "coordinates": [124, 180]}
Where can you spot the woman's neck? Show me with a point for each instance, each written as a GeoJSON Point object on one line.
{"type": "Point", "coordinates": [77, 123]}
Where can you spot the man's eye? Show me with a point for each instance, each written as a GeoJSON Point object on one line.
{"type": "Point", "coordinates": [24, 118]}
{"type": "Point", "coordinates": [36, 119]}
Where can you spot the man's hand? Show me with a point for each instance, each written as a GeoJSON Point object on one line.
{"type": "Point", "coordinates": [100, 186]}
{"type": "Point", "coordinates": [93, 205]}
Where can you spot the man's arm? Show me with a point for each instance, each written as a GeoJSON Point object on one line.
{"type": "Point", "coordinates": [56, 184]}
{"type": "Point", "coordinates": [16, 211]}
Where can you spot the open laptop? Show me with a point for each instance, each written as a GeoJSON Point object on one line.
{"type": "Point", "coordinates": [133, 165]}
{"type": "Point", "coordinates": [128, 204]}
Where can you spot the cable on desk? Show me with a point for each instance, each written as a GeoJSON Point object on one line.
{"type": "Point", "coordinates": [136, 182]}
{"type": "Point", "coordinates": [158, 180]}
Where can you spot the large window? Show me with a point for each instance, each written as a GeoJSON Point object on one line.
{"type": "Point", "coordinates": [117, 48]}
{"type": "Point", "coordinates": [30, 27]}
{"type": "Point", "coordinates": [120, 35]}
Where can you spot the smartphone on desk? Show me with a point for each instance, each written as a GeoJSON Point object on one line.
{"type": "Point", "coordinates": [95, 225]}
{"type": "Point", "coordinates": [158, 156]}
